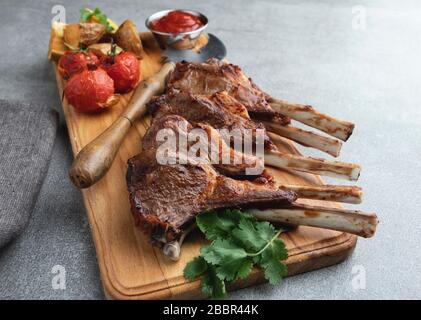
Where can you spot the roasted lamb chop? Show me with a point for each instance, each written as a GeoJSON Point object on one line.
{"type": "Point", "coordinates": [222, 111]}
{"type": "Point", "coordinates": [165, 198]}
{"type": "Point", "coordinates": [219, 110]}
{"type": "Point", "coordinates": [207, 79]}
{"type": "Point", "coordinates": [214, 76]}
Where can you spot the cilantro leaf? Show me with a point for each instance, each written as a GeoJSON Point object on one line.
{"type": "Point", "coordinates": [274, 271]}
{"type": "Point", "coordinates": [212, 285]}
{"type": "Point", "coordinates": [195, 268]}
{"type": "Point", "coordinates": [279, 249]}
{"type": "Point", "coordinates": [239, 241]}
{"type": "Point", "coordinates": [234, 269]}
{"type": "Point", "coordinates": [86, 14]}
{"type": "Point", "coordinates": [222, 251]}
{"type": "Point", "coordinates": [271, 261]}
{"type": "Point", "coordinates": [213, 226]}
{"type": "Point", "coordinates": [247, 234]}
{"type": "Point", "coordinates": [242, 272]}
{"type": "Point", "coordinates": [266, 230]}
{"type": "Point", "coordinates": [219, 224]}
{"type": "Point", "coordinates": [102, 18]}
{"type": "Point", "coordinates": [231, 260]}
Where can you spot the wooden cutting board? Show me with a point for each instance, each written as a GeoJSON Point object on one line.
{"type": "Point", "coordinates": [130, 267]}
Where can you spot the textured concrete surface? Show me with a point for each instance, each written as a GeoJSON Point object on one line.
{"type": "Point", "coordinates": [312, 54]}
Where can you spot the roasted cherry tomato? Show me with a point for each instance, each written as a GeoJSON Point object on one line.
{"type": "Point", "coordinates": [76, 61]}
{"type": "Point", "coordinates": [90, 90]}
{"type": "Point", "coordinates": [124, 70]}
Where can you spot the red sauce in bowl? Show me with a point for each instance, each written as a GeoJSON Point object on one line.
{"type": "Point", "coordinates": [176, 22]}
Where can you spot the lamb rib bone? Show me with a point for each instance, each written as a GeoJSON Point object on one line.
{"type": "Point", "coordinates": [306, 114]}
{"type": "Point", "coordinates": [305, 138]}
{"type": "Point", "coordinates": [173, 249]}
{"type": "Point", "coordinates": [346, 194]}
{"type": "Point", "coordinates": [280, 160]}
{"type": "Point", "coordinates": [221, 110]}
{"type": "Point", "coordinates": [312, 165]}
{"type": "Point", "coordinates": [352, 221]}
{"type": "Point", "coordinates": [277, 159]}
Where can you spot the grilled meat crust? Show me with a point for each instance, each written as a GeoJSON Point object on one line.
{"type": "Point", "coordinates": [165, 198]}
{"type": "Point", "coordinates": [214, 76]}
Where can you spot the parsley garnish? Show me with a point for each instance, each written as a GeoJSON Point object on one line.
{"type": "Point", "coordinates": [239, 242]}
{"type": "Point", "coordinates": [86, 14]}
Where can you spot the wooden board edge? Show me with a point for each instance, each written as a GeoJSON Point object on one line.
{"type": "Point", "coordinates": [298, 263]}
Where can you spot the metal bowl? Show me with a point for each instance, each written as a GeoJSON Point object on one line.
{"type": "Point", "coordinates": [179, 41]}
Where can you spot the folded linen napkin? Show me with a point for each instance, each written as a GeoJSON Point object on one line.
{"type": "Point", "coordinates": [27, 134]}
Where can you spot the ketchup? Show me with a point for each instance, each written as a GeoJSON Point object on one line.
{"type": "Point", "coordinates": [177, 22]}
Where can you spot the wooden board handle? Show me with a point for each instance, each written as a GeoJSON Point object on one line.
{"type": "Point", "coordinates": [94, 160]}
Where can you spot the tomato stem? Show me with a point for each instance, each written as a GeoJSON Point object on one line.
{"type": "Point", "coordinates": [113, 51]}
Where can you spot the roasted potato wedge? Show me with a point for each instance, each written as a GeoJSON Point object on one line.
{"type": "Point", "coordinates": [95, 20]}
{"type": "Point", "coordinates": [127, 37]}
{"type": "Point", "coordinates": [102, 49]}
{"type": "Point", "coordinates": [90, 33]}
{"type": "Point", "coordinates": [82, 33]}
{"type": "Point", "coordinates": [56, 47]}
{"type": "Point", "coordinates": [71, 35]}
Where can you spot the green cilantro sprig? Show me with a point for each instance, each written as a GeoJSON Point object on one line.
{"type": "Point", "coordinates": [86, 14]}
{"type": "Point", "coordinates": [239, 242]}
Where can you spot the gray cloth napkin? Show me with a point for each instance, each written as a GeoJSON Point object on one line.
{"type": "Point", "coordinates": [27, 135]}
